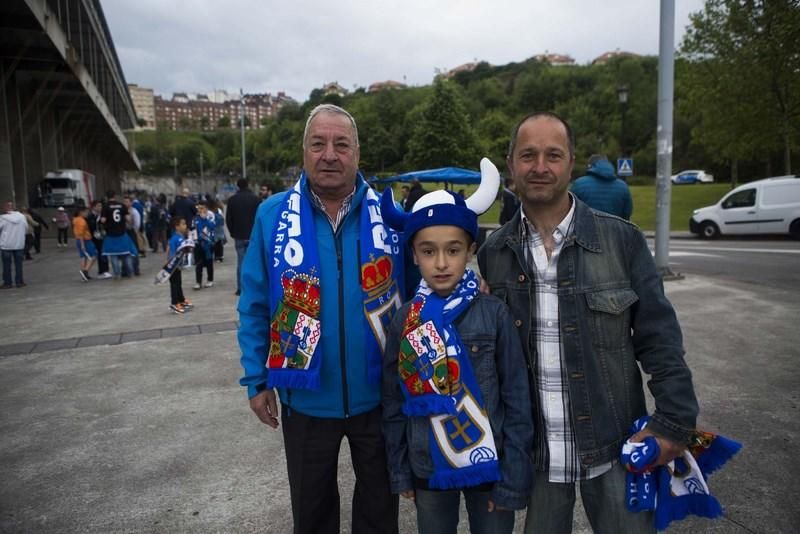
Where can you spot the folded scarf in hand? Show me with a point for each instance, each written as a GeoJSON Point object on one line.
{"type": "Point", "coordinates": [679, 488]}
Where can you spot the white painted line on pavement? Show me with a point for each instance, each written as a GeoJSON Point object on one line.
{"type": "Point", "coordinates": [683, 253]}
{"type": "Point", "coordinates": [759, 250]}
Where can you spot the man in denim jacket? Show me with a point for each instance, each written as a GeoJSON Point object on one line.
{"type": "Point", "coordinates": [590, 309]}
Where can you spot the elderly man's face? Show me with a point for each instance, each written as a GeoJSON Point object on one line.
{"type": "Point", "coordinates": [330, 156]}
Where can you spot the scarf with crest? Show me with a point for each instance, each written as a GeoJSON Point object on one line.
{"type": "Point", "coordinates": [679, 488]}
{"type": "Point", "coordinates": [295, 354]}
{"type": "Point", "coordinates": [438, 382]}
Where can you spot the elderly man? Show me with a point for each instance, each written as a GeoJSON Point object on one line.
{"type": "Point", "coordinates": [13, 227]}
{"type": "Point", "coordinates": [320, 281]}
{"type": "Point", "coordinates": [590, 310]}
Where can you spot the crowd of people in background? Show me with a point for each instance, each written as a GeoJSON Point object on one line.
{"type": "Point", "coordinates": [113, 233]}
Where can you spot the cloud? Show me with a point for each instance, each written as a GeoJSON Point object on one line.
{"type": "Point", "coordinates": [200, 45]}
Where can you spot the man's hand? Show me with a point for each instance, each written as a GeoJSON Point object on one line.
{"type": "Point", "coordinates": [265, 407]}
{"type": "Point", "coordinates": [408, 494]}
{"type": "Point", "coordinates": [494, 508]}
{"type": "Point", "coordinates": [669, 450]}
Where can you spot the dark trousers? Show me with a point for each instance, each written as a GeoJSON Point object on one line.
{"type": "Point", "coordinates": [312, 457]}
{"type": "Point", "coordinates": [219, 250]}
{"type": "Point", "coordinates": [176, 287]}
{"type": "Point", "coordinates": [102, 261]}
{"type": "Point", "coordinates": [16, 257]}
{"type": "Point", "coordinates": [203, 260]}
{"type": "Point", "coordinates": [28, 245]}
{"type": "Point", "coordinates": [159, 236]}
{"type": "Point", "coordinates": [62, 236]}
{"type": "Point", "coordinates": [37, 239]}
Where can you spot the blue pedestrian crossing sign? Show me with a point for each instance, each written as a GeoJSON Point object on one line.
{"type": "Point", "coordinates": [625, 167]}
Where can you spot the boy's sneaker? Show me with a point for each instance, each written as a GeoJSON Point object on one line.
{"type": "Point", "coordinates": [196, 286]}
{"type": "Point", "coordinates": [209, 284]}
{"type": "Point", "coordinates": [177, 308]}
{"type": "Point", "coordinates": [187, 305]}
{"type": "Point", "coordinates": [84, 276]}
{"type": "Point", "coordinates": [104, 276]}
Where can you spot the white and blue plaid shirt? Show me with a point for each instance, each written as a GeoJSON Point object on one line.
{"type": "Point", "coordinates": [340, 215]}
{"type": "Point", "coordinates": [562, 461]}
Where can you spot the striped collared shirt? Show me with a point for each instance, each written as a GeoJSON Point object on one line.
{"type": "Point", "coordinates": [556, 445]}
{"type": "Point", "coordinates": [341, 214]}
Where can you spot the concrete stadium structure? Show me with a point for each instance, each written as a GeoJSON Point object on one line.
{"type": "Point", "coordinates": [64, 102]}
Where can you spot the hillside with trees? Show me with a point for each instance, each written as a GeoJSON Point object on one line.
{"type": "Point", "coordinates": [737, 109]}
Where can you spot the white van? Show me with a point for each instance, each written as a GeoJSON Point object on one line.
{"type": "Point", "coordinates": [768, 206]}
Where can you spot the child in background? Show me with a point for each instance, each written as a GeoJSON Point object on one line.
{"type": "Point", "coordinates": [178, 303]}
{"type": "Point", "coordinates": [456, 402]}
{"type": "Point", "coordinates": [62, 224]}
{"type": "Point", "coordinates": [204, 225]}
{"type": "Point", "coordinates": [83, 241]}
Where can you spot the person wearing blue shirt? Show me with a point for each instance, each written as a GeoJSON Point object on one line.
{"type": "Point", "coordinates": [319, 284]}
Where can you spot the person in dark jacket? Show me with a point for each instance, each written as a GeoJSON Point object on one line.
{"type": "Point", "coordinates": [183, 207]}
{"type": "Point", "coordinates": [239, 217]}
{"type": "Point", "coordinates": [37, 230]}
{"type": "Point", "coordinates": [592, 316]}
{"type": "Point", "coordinates": [98, 232]}
{"type": "Point", "coordinates": [602, 190]}
{"type": "Point", "coordinates": [510, 201]}
{"type": "Point", "coordinates": [413, 195]}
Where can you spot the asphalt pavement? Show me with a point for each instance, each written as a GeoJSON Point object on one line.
{"type": "Point", "coordinates": [118, 416]}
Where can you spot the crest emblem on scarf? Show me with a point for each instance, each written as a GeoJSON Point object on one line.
{"type": "Point", "coordinates": [295, 326]}
{"type": "Point", "coordinates": [423, 364]}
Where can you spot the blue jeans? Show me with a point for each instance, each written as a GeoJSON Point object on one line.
{"type": "Point", "coordinates": [16, 255]}
{"type": "Point", "coordinates": [550, 508]}
{"type": "Point", "coordinates": [241, 250]}
{"type": "Point", "coordinates": [116, 266]}
{"type": "Point", "coordinates": [437, 513]}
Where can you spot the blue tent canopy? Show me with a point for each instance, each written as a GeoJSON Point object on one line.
{"type": "Point", "coordinates": [453, 175]}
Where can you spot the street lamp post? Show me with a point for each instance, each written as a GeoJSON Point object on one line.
{"type": "Point", "coordinates": [622, 96]}
{"type": "Point", "coordinates": [202, 179]}
{"type": "Point", "coordinates": [241, 120]}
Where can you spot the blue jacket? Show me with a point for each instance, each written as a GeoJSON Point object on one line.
{"type": "Point", "coordinates": [174, 242]}
{"type": "Point", "coordinates": [344, 389]}
{"type": "Point", "coordinates": [614, 319]}
{"type": "Point", "coordinates": [602, 190]}
{"type": "Point", "coordinates": [487, 331]}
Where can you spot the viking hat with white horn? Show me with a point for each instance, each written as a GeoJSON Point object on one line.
{"type": "Point", "coordinates": [444, 207]}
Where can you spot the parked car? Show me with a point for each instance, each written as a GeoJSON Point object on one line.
{"type": "Point", "coordinates": [693, 177]}
{"type": "Point", "coordinates": [768, 206]}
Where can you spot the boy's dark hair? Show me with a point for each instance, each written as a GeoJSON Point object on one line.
{"type": "Point", "coordinates": [176, 221]}
{"type": "Point", "coordinates": [470, 241]}
{"type": "Point", "coordinates": [203, 203]}
{"type": "Point", "coordinates": [110, 193]}
{"type": "Point", "coordinates": [242, 183]}
{"type": "Point", "coordinates": [79, 210]}
{"type": "Point", "coordinates": [96, 202]}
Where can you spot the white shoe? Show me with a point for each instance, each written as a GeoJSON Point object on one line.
{"type": "Point", "coordinates": [196, 286]}
{"type": "Point", "coordinates": [105, 276]}
{"type": "Point", "coordinates": [209, 284]}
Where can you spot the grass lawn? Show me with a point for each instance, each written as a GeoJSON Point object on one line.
{"type": "Point", "coordinates": [685, 199]}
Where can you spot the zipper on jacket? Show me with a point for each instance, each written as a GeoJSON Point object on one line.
{"type": "Point", "coordinates": [342, 356]}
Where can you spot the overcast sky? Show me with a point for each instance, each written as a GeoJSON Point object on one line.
{"type": "Point", "coordinates": [298, 45]}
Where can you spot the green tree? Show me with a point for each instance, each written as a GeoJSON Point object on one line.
{"type": "Point", "coordinates": [224, 122]}
{"type": "Point", "coordinates": [443, 136]}
{"type": "Point", "coordinates": [744, 78]}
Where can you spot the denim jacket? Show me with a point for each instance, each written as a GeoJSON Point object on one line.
{"type": "Point", "coordinates": [614, 317]}
{"type": "Point", "coordinates": [496, 356]}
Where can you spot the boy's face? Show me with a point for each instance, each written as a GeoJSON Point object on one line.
{"type": "Point", "coordinates": [181, 227]}
{"type": "Point", "coordinates": [442, 253]}
{"type": "Point", "coordinates": [202, 211]}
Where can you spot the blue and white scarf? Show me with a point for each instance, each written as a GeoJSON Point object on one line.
{"type": "Point", "coordinates": [437, 381]}
{"type": "Point", "coordinates": [295, 356]}
{"type": "Point", "coordinates": [679, 488]}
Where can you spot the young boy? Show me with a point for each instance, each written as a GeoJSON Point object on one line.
{"type": "Point", "coordinates": [179, 303]}
{"type": "Point", "coordinates": [456, 402]}
{"type": "Point", "coordinates": [204, 225]}
{"type": "Point", "coordinates": [83, 241]}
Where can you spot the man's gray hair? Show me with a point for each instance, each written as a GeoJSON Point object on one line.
{"type": "Point", "coordinates": [333, 109]}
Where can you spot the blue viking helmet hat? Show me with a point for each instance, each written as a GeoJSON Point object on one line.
{"type": "Point", "coordinates": [444, 207]}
